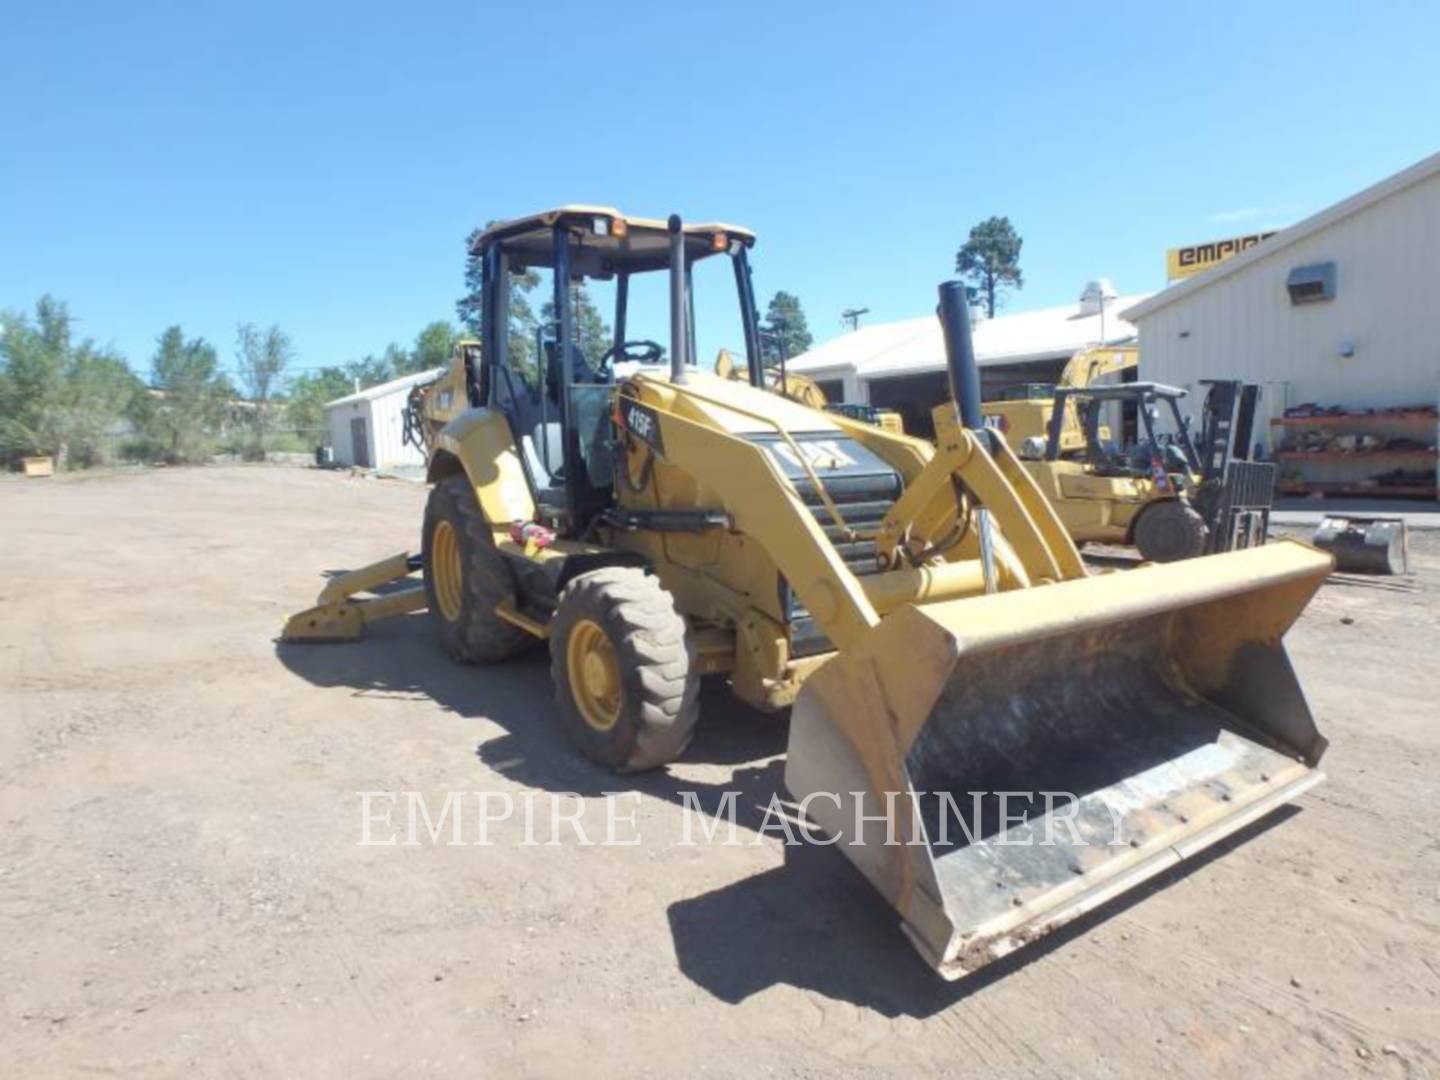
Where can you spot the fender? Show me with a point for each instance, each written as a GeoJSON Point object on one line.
{"type": "Point", "coordinates": [479, 442]}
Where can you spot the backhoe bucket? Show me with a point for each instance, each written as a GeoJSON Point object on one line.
{"type": "Point", "coordinates": [999, 765]}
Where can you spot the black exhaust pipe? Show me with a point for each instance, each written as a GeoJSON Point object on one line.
{"type": "Point", "coordinates": [960, 355]}
{"type": "Point", "coordinates": [965, 393]}
{"type": "Point", "coordinates": [679, 339]}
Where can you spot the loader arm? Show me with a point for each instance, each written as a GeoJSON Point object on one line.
{"type": "Point", "coordinates": [1032, 528]}
{"type": "Point", "coordinates": [764, 505]}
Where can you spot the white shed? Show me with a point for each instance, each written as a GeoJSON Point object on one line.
{"type": "Point", "coordinates": [367, 428]}
{"type": "Point", "coordinates": [1338, 312]}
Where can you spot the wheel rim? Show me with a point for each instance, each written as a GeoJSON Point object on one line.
{"type": "Point", "coordinates": [445, 570]}
{"type": "Point", "coordinates": [594, 675]}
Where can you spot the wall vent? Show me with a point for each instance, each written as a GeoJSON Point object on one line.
{"type": "Point", "coordinates": [1311, 284]}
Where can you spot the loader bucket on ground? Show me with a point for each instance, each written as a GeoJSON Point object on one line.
{"type": "Point", "coordinates": [1156, 707]}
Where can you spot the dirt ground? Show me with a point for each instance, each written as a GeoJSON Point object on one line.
{"type": "Point", "coordinates": [183, 890]}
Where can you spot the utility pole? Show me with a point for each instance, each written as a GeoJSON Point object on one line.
{"type": "Point", "coordinates": [851, 317]}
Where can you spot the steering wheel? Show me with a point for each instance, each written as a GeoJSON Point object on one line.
{"type": "Point", "coordinates": [641, 351]}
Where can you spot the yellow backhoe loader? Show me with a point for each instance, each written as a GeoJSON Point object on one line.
{"type": "Point", "coordinates": [998, 740]}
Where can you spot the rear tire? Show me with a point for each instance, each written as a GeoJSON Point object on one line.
{"type": "Point", "coordinates": [465, 577]}
{"type": "Point", "coordinates": [1169, 531]}
{"type": "Point", "coordinates": [620, 659]}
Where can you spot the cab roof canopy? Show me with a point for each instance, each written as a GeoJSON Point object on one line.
{"type": "Point", "coordinates": [604, 241]}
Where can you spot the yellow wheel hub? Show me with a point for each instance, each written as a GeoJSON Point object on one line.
{"type": "Point", "coordinates": [448, 578]}
{"type": "Point", "coordinates": [594, 675]}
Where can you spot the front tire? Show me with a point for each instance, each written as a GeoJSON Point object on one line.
{"type": "Point", "coordinates": [465, 577]}
{"type": "Point", "coordinates": [1169, 531]}
{"type": "Point", "coordinates": [620, 659]}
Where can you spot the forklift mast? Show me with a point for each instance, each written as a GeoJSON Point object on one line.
{"type": "Point", "coordinates": [1240, 490]}
{"type": "Point", "coordinates": [1227, 425]}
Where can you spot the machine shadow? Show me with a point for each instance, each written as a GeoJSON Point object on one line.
{"type": "Point", "coordinates": [813, 923]}
{"type": "Point", "coordinates": [817, 925]}
{"type": "Point", "coordinates": [400, 657]}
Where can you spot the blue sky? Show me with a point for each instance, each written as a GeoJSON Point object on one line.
{"type": "Point", "coordinates": [318, 165]}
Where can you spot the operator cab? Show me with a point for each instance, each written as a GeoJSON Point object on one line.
{"type": "Point", "coordinates": [1171, 449]}
{"type": "Point", "coordinates": [551, 373]}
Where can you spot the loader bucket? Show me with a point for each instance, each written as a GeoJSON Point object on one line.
{"type": "Point", "coordinates": [998, 765]}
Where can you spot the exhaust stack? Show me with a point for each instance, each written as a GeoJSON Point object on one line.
{"type": "Point", "coordinates": [964, 375]}
{"type": "Point", "coordinates": [960, 355]}
{"type": "Point", "coordinates": [679, 337]}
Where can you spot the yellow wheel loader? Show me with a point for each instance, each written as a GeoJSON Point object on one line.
{"type": "Point", "coordinates": [997, 739]}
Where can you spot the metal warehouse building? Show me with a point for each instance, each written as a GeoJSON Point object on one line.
{"type": "Point", "coordinates": [901, 365]}
{"type": "Point", "coordinates": [1338, 318]}
{"type": "Point", "coordinates": [368, 428]}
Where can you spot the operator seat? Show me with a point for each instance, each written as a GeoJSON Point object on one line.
{"type": "Point", "coordinates": [541, 442]}
{"type": "Point", "coordinates": [543, 439]}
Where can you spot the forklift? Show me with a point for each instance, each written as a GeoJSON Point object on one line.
{"type": "Point", "coordinates": [1171, 494]}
